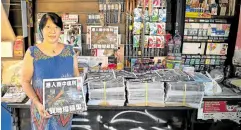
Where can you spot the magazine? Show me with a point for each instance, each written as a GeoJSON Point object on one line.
{"type": "Point", "coordinates": [38, 36]}
{"type": "Point", "coordinates": [14, 95]}
{"type": "Point", "coordinates": [93, 63]}
{"type": "Point", "coordinates": [70, 18]}
{"type": "Point", "coordinates": [72, 35]}
{"type": "Point", "coordinates": [115, 56]}
{"type": "Point", "coordinates": [64, 95]}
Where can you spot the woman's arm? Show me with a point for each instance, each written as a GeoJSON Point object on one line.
{"type": "Point", "coordinates": [26, 77]}
{"type": "Point", "coordinates": [76, 68]}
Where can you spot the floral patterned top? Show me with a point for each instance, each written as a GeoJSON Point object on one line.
{"type": "Point", "coordinates": [47, 67]}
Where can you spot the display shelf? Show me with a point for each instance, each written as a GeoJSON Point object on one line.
{"type": "Point", "coordinates": [137, 108]}
{"type": "Point", "coordinates": [227, 94]}
{"type": "Point", "coordinates": [214, 17]}
{"type": "Point", "coordinates": [211, 21]}
{"type": "Point", "coordinates": [23, 105]}
{"type": "Point", "coordinates": [207, 41]}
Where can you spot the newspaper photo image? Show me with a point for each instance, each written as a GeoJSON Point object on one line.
{"type": "Point", "coordinates": [63, 96]}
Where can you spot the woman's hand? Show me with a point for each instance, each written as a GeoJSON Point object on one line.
{"type": "Point", "coordinates": [43, 113]}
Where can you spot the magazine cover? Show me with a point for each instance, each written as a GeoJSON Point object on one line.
{"type": "Point", "coordinates": [115, 56]}
{"type": "Point", "coordinates": [200, 9]}
{"type": "Point", "coordinates": [104, 37]}
{"type": "Point", "coordinates": [38, 37]}
{"type": "Point", "coordinates": [72, 35]}
{"type": "Point", "coordinates": [70, 18]}
{"type": "Point", "coordinates": [217, 48]}
{"type": "Point", "coordinates": [93, 63]}
{"type": "Point", "coordinates": [160, 62]}
{"type": "Point", "coordinates": [88, 37]}
{"type": "Point", "coordinates": [193, 48]}
{"type": "Point", "coordinates": [133, 62]}
{"type": "Point", "coordinates": [63, 96]}
{"type": "Point", "coordinates": [220, 30]}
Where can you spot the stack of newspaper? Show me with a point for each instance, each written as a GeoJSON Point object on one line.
{"type": "Point", "coordinates": [14, 95]}
{"type": "Point", "coordinates": [124, 74]}
{"type": "Point", "coordinates": [171, 75]}
{"type": "Point", "coordinates": [184, 94]}
{"type": "Point", "coordinates": [145, 93]}
{"type": "Point", "coordinates": [148, 75]}
{"type": "Point", "coordinates": [107, 92]}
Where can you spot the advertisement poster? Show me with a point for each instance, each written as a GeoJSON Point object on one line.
{"type": "Point", "coordinates": [219, 110]}
{"type": "Point", "coordinates": [217, 48]}
{"type": "Point", "coordinates": [63, 96]}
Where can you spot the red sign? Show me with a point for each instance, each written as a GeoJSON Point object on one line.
{"type": "Point", "coordinates": [218, 106]}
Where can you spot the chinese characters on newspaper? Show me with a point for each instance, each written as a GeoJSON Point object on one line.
{"type": "Point", "coordinates": [65, 95]}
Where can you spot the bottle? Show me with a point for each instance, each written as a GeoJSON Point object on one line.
{"type": "Point", "coordinates": [18, 48]}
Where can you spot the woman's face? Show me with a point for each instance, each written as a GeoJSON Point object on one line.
{"type": "Point", "coordinates": [72, 39]}
{"type": "Point", "coordinates": [51, 32]}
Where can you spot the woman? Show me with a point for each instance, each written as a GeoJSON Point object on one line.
{"type": "Point", "coordinates": [72, 40]}
{"type": "Point", "coordinates": [47, 60]}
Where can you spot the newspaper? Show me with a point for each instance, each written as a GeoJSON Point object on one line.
{"type": "Point", "coordinates": [64, 95]}
{"type": "Point", "coordinates": [184, 94]}
{"type": "Point", "coordinates": [145, 93]}
{"type": "Point", "coordinates": [109, 92]}
{"type": "Point", "coordinates": [172, 75]}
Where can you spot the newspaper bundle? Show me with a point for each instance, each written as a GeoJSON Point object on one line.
{"type": "Point", "coordinates": [184, 94]}
{"type": "Point", "coordinates": [144, 93]}
{"type": "Point", "coordinates": [107, 92]}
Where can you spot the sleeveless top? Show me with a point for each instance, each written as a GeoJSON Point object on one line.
{"type": "Point", "coordinates": [48, 67]}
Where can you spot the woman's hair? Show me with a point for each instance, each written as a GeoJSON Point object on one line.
{"type": "Point", "coordinates": [72, 37]}
{"type": "Point", "coordinates": [54, 17]}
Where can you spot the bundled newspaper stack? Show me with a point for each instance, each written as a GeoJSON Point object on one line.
{"type": "Point", "coordinates": [108, 91]}
{"type": "Point", "coordinates": [184, 94]}
{"type": "Point", "coordinates": [148, 75]}
{"type": "Point", "coordinates": [171, 75]}
{"type": "Point", "coordinates": [145, 93]}
{"type": "Point", "coordinates": [124, 74]}
{"type": "Point", "coordinates": [99, 75]}
{"type": "Point", "coordinates": [14, 95]}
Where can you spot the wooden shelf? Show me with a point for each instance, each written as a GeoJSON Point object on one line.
{"type": "Point", "coordinates": [11, 58]}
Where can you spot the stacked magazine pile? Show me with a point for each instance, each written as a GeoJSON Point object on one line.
{"type": "Point", "coordinates": [145, 93]}
{"type": "Point", "coordinates": [184, 93]}
{"type": "Point", "coordinates": [107, 91]}
{"type": "Point", "coordinates": [14, 95]}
